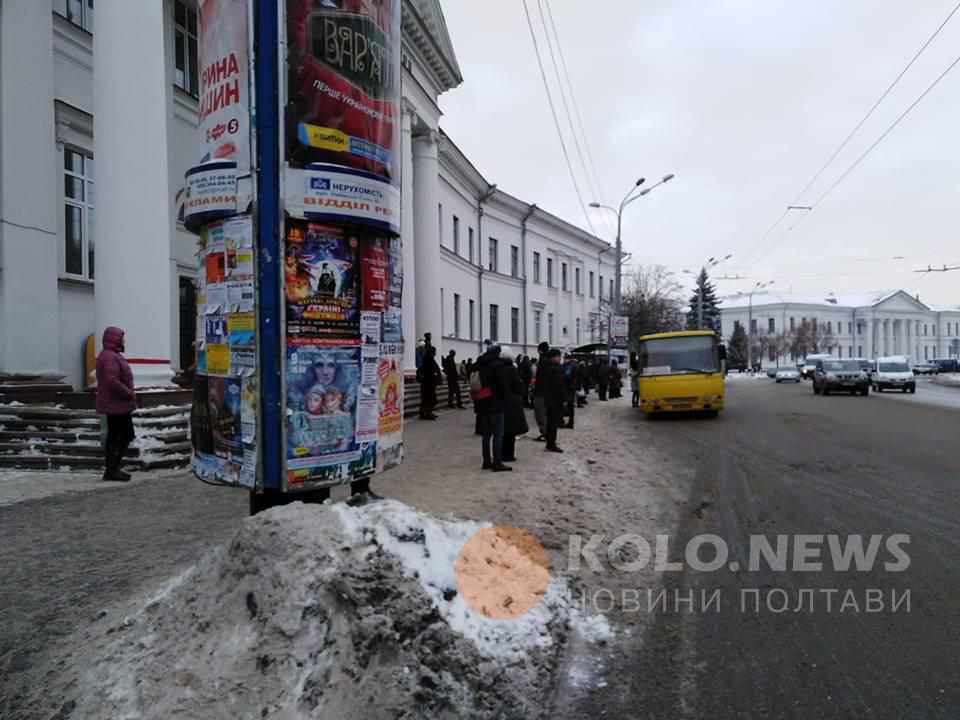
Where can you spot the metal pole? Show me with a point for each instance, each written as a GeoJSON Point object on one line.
{"type": "Point", "coordinates": [750, 333]}
{"type": "Point", "coordinates": [617, 306]}
{"type": "Point", "coordinates": [699, 305]}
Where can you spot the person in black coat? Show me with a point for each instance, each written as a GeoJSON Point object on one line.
{"type": "Point", "coordinates": [489, 405]}
{"type": "Point", "coordinates": [552, 384]}
{"type": "Point", "coordinates": [514, 417]}
{"type": "Point", "coordinates": [603, 379]}
{"type": "Point", "coordinates": [429, 376]}
{"type": "Point", "coordinates": [525, 371]}
{"type": "Point", "coordinates": [454, 398]}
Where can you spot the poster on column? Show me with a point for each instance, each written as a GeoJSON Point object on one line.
{"type": "Point", "coordinates": [390, 397]}
{"type": "Point", "coordinates": [224, 121]}
{"type": "Point", "coordinates": [323, 387]}
{"type": "Point", "coordinates": [343, 89]}
{"type": "Point", "coordinates": [321, 279]}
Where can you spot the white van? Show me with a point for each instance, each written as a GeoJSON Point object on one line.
{"type": "Point", "coordinates": [810, 364]}
{"type": "Point", "coordinates": [893, 373]}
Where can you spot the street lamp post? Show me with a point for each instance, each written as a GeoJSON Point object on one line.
{"type": "Point", "coordinates": [628, 198]}
{"type": "Point", "coordinates": [755, 288]}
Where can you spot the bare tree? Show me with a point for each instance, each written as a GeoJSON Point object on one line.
{"type": "Point", "coordinates": [653, 300]}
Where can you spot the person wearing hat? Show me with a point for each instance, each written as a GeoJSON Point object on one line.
{"type": "Point", "coordinates": [489, 404]}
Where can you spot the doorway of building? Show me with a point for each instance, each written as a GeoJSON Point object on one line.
{"type": "Point", "coordinates": [188, 321]}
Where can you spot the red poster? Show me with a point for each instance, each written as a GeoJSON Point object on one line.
{"type": "Point", "coordinates": [344, 84]}
{"type": "Point", "coordinates": [376, 267]}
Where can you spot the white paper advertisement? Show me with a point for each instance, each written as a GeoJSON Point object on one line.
{"type": "Point", "coordinates": [331, 195]}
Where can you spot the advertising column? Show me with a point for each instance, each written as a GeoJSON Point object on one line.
{"type": "Point", "coordinates": [342, 269]}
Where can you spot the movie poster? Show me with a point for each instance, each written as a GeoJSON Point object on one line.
{"type": "Point", "coordinates": [225, 416]}
{"type": "Point", "coordinates": [390, 421]}
{"type": "Point", "coordinates": [323, 386]}
{"type": "Point", "coordinates": [321, 279]}
{"type": "Point", "coordinates": [375, 262]}
{"type": "Point", "coordinates": [344, 84]}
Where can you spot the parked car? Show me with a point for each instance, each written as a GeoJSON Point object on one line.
{"type": "Point", "coordinates": [893, 373]}
{"type": "Point", "coordinates": [947, 365]}
{"type": "Point", "coordinates": [832, 375]}
{"type": "Point", "coordinates": [926, 368]}
{"type": "Point", "coordinates": [788, 374]}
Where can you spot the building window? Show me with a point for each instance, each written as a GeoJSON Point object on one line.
{"type": "Point", "coordinates": [563, 277]}
{"type": "Point", "coordinates": [514, 325]}
{"type": "Point", "coordinates": [538, 325]}
{"type": "Point", "coordinates": [578, 331]}
{"type": "Point", "coordinates": [793, 324]}
{"type": "Point", "coordinates": [536, 268]}
{"type": "Point", "coordinates": [494, 329]}
{"type": "Point", "coordinates": [753, 326]}
{"type": "Point", "coordinates": [440, 222]}
{"type": "Point", "coordinates": [456, 315]}
{"type": "Point", "coordinates": [850, 329]}
{"type": "Point", "coordinates": [850, 351]}
{"type": "Point", "coordinates": [550, 328]}
{"type": "Point", "coordinates": [492, 259]}
{"type": "Point", "coordinates": [456, 234]}
{"type": "Point", "coordinates": [860, 350]}
{"type": "Point", "coordinates": [592, 293]}
{"type": "Point", "coordinates": [772, 357]}
{"type": "Point", "coordinates": [549, 272]}
{"type": "Point", "coordinates": [925, 326]}
{"type": "Point", "coordinates": [611, 289]}
{"type": "Point", "coordinates": [514, 261]}
{"type": "Point", "coordinates": [601, 287]}
{"type": "Point", "coordinates": [470, 242]}
{"type": "Point", "coordinates": [771, 326]}
{"type": "Point", "coordinates": [79, 12]}
{"type": "Point", "coordinates": [576, 281]}
{"type": "Point", "coordinates": [187, 77]}
{"type": "Point", "coordinates": [473, 334]}
{"type": "Point", "coordinates": [839, 351]}
{"type": "Point", "coordinates": [830, 327]}
{"type": "Point", "coordinates": [78, 214]}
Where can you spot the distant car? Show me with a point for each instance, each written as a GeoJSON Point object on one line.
{"type": "Point", "coordinates": [831, 375]}
{"type": "Point", "coordinates": [772, 372]}
{"type": "Point", "coordinates": [893, 373]}
{"type": "Point", "coordinates": [810, 364]}
{"type": "Point", "coordinates": [926, 368]}
{"type": "Point", "coordinates": [947, 365]}
{"type": "Point", "coordinates": [788, 374]}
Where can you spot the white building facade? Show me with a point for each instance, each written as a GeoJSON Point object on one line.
{"type": "Point", "coordinates": [98, 126]}
{"type": "Point", "coordinates": [866, 325]}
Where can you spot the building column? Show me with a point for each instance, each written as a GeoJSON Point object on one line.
{"type": "Point", "coordinates": [426, 198]}
{"type": "Point", "coordinates": [30, 250]}
{"type": "Point", "coordinates": [134, 226]}
{"type": "Point", "coordinates": [408, 236]}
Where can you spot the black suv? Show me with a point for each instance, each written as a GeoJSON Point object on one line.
{"type": "Point", "coordinates": [840, 375]}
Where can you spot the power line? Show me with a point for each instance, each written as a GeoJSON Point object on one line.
{"type": "Point", "coordinates": [856, 129]}
{"type": "Point", "coordinates": [873, 109]}
{"type": "Point", "coordinates": [556, 120]}
{"type": "Point", "coordinates": [589, 165]}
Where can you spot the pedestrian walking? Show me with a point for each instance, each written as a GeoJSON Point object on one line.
{"type": "Point", "coordinates": [616, 380]}
{"type": "Point", "coordinates": [514, 417]}
{"type": "Point", "coordinates": [539, 407]}
{"type": "Point", "coordinates": [635, 386]}
{"type": "Point", "coordinates": [603, 380]}
{"type": "Point", "coordinates": [429, 377]}
{"type": "Point", "coordinates": [116, 400]}
{"type": "Point", "coordinates": [570, 378]}
{"type": "Point", "coordinates": [454, 399]}
{"type": "Point", "coordinates": [489, 403]}
{"type": "Point", "coordinates": [552, 385]}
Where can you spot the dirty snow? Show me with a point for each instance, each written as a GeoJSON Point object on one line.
{"type": "Point", "coordinates": [317, 612]}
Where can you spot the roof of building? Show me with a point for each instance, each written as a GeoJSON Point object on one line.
{"type": "Point", "coordinates": [845, 300]}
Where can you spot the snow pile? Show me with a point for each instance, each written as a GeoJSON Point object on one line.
{"type": "Point", "coordinates": [320, 612]}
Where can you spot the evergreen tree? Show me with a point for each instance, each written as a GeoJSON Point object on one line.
{"type": "Point", "coordinates": [711, 311]}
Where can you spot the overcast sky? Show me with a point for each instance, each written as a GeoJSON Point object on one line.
{"type": "Point", "coordinates": [744, 100]}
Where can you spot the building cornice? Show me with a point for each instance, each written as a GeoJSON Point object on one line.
{"type": "Point", "coordinates": [422, 29]}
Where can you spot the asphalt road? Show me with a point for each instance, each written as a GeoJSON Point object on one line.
{"type": "Point", "coordinates": [781, 460]}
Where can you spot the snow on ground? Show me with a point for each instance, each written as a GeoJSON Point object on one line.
{"type": "Point", "coordinates": [746, 376]}
{"type": "Point", "coordinates": [318, 611]}
{"type": "Point", "coordinates": [948, 379]}
{"type": "Point", "coordinates": [20, 485]}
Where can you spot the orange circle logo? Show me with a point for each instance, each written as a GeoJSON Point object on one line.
{"type": "Point", "coordinates": [502, 572]}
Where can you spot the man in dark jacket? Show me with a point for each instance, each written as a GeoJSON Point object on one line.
{"type": "Point", "coordinates": [429, 376]}
{"type": "Point", "coordinates": [539, 409]}
{"type": "Point", "coordinates": [490, 404]}
{"type": "Point", "coordinates": [454, 399]}
{"type": "Point", "coordinates": [525, 371]}
{"type": "Point", "coordinates": [552, 385]}
{"type": "Point", "coordinates": [116, 399]}
{"type": "Point", "coordinates": [514, 417]}
{"type": "Point", "coordinates": [603, 380]}
{"type": "Point", "coordinates": [570, 375]}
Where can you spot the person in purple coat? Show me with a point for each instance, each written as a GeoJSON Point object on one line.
{"type": "Point", "coordinates": [116, 399]}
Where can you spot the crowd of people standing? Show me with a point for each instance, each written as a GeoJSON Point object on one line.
{"type": "Point", "coordinates": [502, 387]}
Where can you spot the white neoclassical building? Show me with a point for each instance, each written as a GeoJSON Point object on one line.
{"type": "Point", "coordinates": [869, 325]}
{"type": "Point", "coordinates": [98, 126]}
